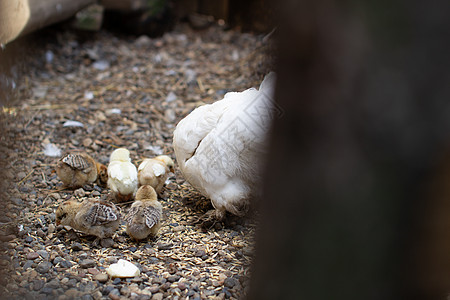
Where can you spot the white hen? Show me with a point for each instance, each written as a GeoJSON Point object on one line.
{"type": "Point", "coordinates": [122, 175]}
{"type": "Point", "coordinates": [218, 147]}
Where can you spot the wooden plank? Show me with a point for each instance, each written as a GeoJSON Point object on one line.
{"type": "Point", "coordinates": [19, 17]}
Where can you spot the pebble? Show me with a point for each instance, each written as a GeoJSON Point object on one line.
{"type": "Point", "coordinates": [101, 277]}
{"type": "Point", "coordinates": [200, 253]}
{"type": "Point", "coordinates": [65, 280]}
{"type": "Point", "coordinates": [164, 246]}
{"type": "Point", "coordinates": [178, 228]}
{"type": "Point", "coordinates": [108, 289]}
{"type": "Point", "coordinates": [137, 280]}
{"type": "Point", "coordinates": [72, 293]}
{"type": "Point", "coordinates": [114, 294]}
{"type": "Point", "coordinates": [46, 290]}
{"type": "Point", "coordinates": [107, 243]}
{"type": "Point", "coordinates": [208, 293]}
{"type": "Point", "coordinates": [87, 263]}
{"type": "Point", "coordinates": [87, 297]}
{"type": "Point", "coordinates": [226, 292]}
{"type": "Point", "coordinates": [32, 255]}
{"type": "Point", "coordinates": [55, 196]}
{"type": "Point", "coordinates": [159, 280]}
{"type": "Point", "coordinates": [125, 291]}
{"type": "Point", "coordinates": [222, 277]}
{"type": "Point", "coordinates": [43, 253]}
{"type": "Point", "coordinates": [97, 295]}
{"type": "Point", "coordinates": [40, 233]}
{"type": "Point", "coordinates": [28, 264]}
{"type": "Point", "coordinates": [158, 296]}
{"type": "Point", "coordinates": [38, 284]}
{"type": "Point", "coordinates": [165, 286]}
{"type": "Point", "coordinates": [51, 229]}
{"type": "Point", "coordinates": [79, 193]}
{"type": "Point", "coordinates": [229, 282]}
{"type": "Point", "coordinates": [65, 264]}
{"type": "Point", "coordinates": [72, 282]}
{"type": "Point", "coordinates": [173, 278]}
{"type": "Point", "coordinates": [93, 271]}
{"type": "Point", "coordinates": [53, 284]}
{"type": "Point", "coordinates": [190, 293]}
{"type": "Point", "coordinates": [44, 267]}
{"type": "Point", "coordinates": [111, 259]}
{"type": "Point", "coordinates": [77, 246]}
{"type": "Point", "coordinates": [87, 142]}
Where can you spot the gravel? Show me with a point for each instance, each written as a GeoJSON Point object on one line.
{"type": "Point", "coordinates": [44, 267]}
{"type": "Point", "coordinates": [135, 102]}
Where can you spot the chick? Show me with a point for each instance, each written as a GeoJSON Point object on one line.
{"type": "Point", "coordinates": [144, 216]}
{"type": "Point", "coordinates": [77, 169]}
{"type": "Point", "coordinates": [154, 171]}
{"type": "Point", "coordinates": [122, 175]}
{"type": "Point", "coordinates": [94, 217]}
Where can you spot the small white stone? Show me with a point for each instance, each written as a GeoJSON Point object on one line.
{"type": "Point", "coordinates": [171, 97]}
{"type": "Point", "coordinates": [101, 65]}
{"type": "Point", "coordinates": [71, 123]}
{"type": "Point", "coordinates": [113, 111]}
{"type": "Point", "coordinates": [88, 95]}
{"type": "Point", "coordinates": [123, 269]}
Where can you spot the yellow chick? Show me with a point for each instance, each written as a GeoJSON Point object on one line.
{"type": "Point", "coordinates": [154, 171]}
{"type": "Point", "coordinates": [122, 175]}
{"type": "Point", "coordinates": [144, 216]}
{"type": "Point", "coordinates": [94, 217]}
{"type": "Point", "coordinates": [77, 169]}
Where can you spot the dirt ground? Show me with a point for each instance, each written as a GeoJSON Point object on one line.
{"type": "Point", "coordinates": [124, 92]}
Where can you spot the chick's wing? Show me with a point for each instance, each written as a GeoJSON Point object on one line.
{"type": "Point", "coordinates": [78, 162]}
{"type": "Point", "coordinates": [152, 216]}
{"type": "Point", "coordinates": [131, 213]}
{"type": "Point", "coordinates": [100, 214]}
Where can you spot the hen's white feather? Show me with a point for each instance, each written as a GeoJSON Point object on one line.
{"type": "Point", "coordinates": [218, 146]}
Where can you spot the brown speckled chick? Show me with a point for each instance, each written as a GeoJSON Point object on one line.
{"type": "Point", "coordinates": [77, 169]}
{"type": "Point", "coordinates": [94, 217]}
{"type": "Point", "coordinates": [144, 216]}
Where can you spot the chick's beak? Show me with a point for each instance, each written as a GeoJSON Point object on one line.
{"type": "Point", "coordinates": [58, 222]}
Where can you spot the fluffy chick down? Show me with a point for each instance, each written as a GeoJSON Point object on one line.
{"type": "Point", "coordinates": [154, 171]}
{"type": "Point", "coordinates": [122, 175]}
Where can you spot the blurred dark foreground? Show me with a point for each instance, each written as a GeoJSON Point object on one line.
{"type": "Point", "coordinates": [357, 188]}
